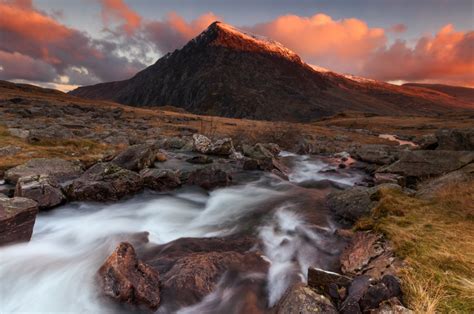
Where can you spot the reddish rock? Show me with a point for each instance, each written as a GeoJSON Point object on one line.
{"type": "Point", "coordinates": [17, 219]}
{"type": "Point", "coordinates": [128, 280]}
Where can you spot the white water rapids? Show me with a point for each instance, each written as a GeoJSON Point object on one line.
{"type": "Point", "coordinates": [55, 271]}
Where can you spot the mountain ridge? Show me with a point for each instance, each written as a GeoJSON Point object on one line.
{"type": "Point", "coordinates": [226, 72]}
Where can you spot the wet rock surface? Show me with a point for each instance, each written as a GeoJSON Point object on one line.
{"type": "Point", "coordinates": [127, 279]}
{"type": "Point", "coordinates": [104, 182]}
{"type": "Point", "coordinates": [17, 218]}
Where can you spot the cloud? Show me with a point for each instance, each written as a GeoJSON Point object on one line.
{"type": "Point", "coordinates": [119, 11]}
{"type": "Point", "coordinates": [175, 31]}
{"type": "Point", "coordinates": [398, 28]}
{"type": "Point", "coordinates": [341, 45]}
{"type": "Point", "coordinates": [446, 57]}
{"type": "Point", "coordinates": [50, 47]}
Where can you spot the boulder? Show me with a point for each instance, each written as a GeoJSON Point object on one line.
{"type": "Point", "coordinates": [204, 145]}
{"type": "Point", "coordinates": [17, 219]}
{"type": "Point", "coordinates": [455, 139]}
{"type": "Point", "coordinates": [258, 151]}
{"type": "Point", "coordinates": [351, 204]}
{"type": "Point", "coordinates": [377, 154]}
{"type": "Point", "coordinates": [421, 164]}
{"type": "Point", "coordinates": [209, 178]}
{"type": "Point", "coordinates": [368, 254]}
{"type": "Point", "coordinates": [303, 300]}
{"type": "Point", "coordinates": [43, 189]}
{"type": "Point", "coordinates": [127, 279]}
{"type": "Point", "coordinates": [104, 182]}
{"type": "Point", "coordinates": [59, 169]}
{"type": "Point", "coordinates": [136, 157]}
{"type": "Point", "coordinates": [201, 143]}
{"type": "Point", "coordinates": [356, 291]}
{"type": "Point", "coordinates": [160, 179]}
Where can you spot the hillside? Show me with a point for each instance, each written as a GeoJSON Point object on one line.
{"type": "Point", "coordinates": [226, 72]}
{"type": "Point", "coordinates": [459, 92]}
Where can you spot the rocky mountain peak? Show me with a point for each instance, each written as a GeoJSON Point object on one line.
{"type": "Point", "coordinates": [225, 35]}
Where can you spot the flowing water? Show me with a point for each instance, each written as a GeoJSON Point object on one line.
{"type": "Point", "coordinates": [55, 271]}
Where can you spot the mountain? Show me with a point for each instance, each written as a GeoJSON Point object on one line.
{"type": "Point", "coordinates": [459, 92]}
{"type": "Point", "coordinates": [227, 72]}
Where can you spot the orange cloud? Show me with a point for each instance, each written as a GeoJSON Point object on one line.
{"type": "Point", "coordinates": [447, 57]}
{"type": "Point", "coordinates": [120, 11]}
{"type": "Point", "coordinates": [320, 39]}
{"type": "Point", "coordinates": [175, 31]}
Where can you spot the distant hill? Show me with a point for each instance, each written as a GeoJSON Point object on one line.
{"type": "Point", "coordinates": [227, 72]}
{"type": "Point", "coordinates": [462, 93]}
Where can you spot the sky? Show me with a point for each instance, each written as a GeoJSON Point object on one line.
{"type": "Point", "coordinates": [64, 44]}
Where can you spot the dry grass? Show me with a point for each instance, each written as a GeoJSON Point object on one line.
{"type": "Point", "coordinates": [84, 150]}
{"type": "Point", "coordinates": [436, 240]}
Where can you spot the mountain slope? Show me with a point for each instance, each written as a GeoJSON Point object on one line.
{"type": "Point", "coordinates": [226, 72]}
{"type": "Point", "coordinates": [459, 92]}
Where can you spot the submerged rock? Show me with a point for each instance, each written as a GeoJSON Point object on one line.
{"type": "Point", "coordinates": [209, 178]}
{"type": "Point", "coordinates": [17, 219]}
{"type": "Point", "coordinates": [303, 300]}
{"type": "Point", "coordinates": [136, 157]}
{"type": "Point", "coordinates": [127, 279]}
{"type": "Point", "coordinates": [59, 169]}
{"type": "Point", "coordinates": [41, 188]}
{"type": "Point", "coordinates": [104, 182]}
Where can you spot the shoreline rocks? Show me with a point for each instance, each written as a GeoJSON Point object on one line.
{"type": "Point", "coordinates": [41, 188]}
{"type": "Point", "coordinates": [59, 169]}
{"type": "Point", "coordinates": [17, 219]}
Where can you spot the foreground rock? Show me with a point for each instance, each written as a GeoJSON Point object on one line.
{"type": "Point", "coordinates": [17, 219]}
{"type": "Point", "coordinates": [455, 139]}
{"type": "Point", "coordinates": [160, 179]}
{"type": "Point", "coordinates": [136, 157]}
{"type": "Point", "coordinates": [104, 182]}
{"type": "Point", "coordinates": [125, 278]}
{"type": "Point", "coordinates": [422, 164]}
{"type": "Point", "coordinates": [351, 204]}
{"type": "Point", "coordinates": [41, 188]}
{"type": "Point", "coordinates": [303, 300]}
{"type": "Point", "coordinates": [59, 169]}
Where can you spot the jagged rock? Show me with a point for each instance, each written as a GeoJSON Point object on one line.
{"type": "Point", "coordinates": [356, 291]}
{"type": "Point", "coordinates": [321, 280]}
{"type": "Point", "coordinates": [41, 188]}
{"type": "Point", "coordinates": [351, 204]}
{"type": "Point", "coordinates": [303, 300]}
{"type": "Point", "coordinates": [59, 169]}
{"type": "Point", "coordinates": [104, 182]}
{"type": "Point", "coordinates": [200, 160]}
{"type": "Point", "coordinates": [160, 179]}
{"type": "Point", "coordinates": [9, 150]}
{"type": "Point", "coordinates": [455, 139]}
{"type": "Point", "coordinates": [377, 154]}
{"type": "Point", "coordinates": [421, 164]}
{"type": "Point", "coordinates": [223, 147]}
{"type": "Point", "coordinates": [209, 178]}
{"type": "Point", "coordinates": [368, 253]}
{"type": "Point", "coordinates": [17, 219]}
{"type": "Point", "coordinates": [127, 279]}
{"type": "Point", "coordinates": [136, 157]}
